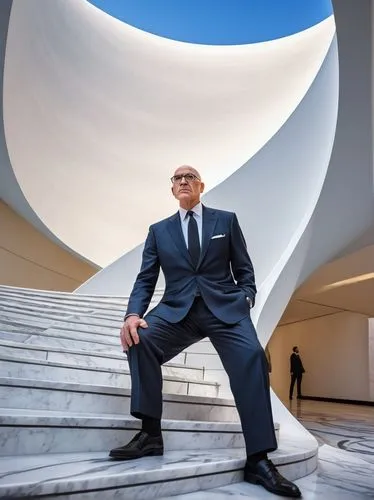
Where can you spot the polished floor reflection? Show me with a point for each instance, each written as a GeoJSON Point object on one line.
{"type": "Point", "coordinates": [346, 456]}
{"type": "Point", "coordinates": [346, 427]}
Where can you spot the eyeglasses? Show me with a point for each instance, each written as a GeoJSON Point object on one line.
{"type": "Point", "coordinates": [176, 179]}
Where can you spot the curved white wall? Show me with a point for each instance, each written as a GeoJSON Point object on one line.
{"type": "Point", "coordinates": [10, 190]}
{"type": "Point", "coordinates": [101, 113]}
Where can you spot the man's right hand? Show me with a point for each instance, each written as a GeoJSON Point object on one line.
{"type": "Point", "coordinates": [129, 331]}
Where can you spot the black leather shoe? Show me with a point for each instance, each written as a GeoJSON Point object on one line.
{"type": "Point", "coordinates": [265, 473]}
{"type": "Point", "coordinates": [141, 445]}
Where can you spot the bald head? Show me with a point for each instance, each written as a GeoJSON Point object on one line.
{"type": "Point", "coordinates": [187, 168]}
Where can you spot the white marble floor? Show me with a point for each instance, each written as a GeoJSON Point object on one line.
{"type": "Point", "coordinates": [346, 456]}
{"type": "Point", "coordinates": [346, 427]}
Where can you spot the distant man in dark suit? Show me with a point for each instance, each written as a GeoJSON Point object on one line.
{"type": "Point", "coordinates": [268, 358]}
{"type": "Point", "coordinates": [210, 288]}
{"type": "Point", "coordinates": [297, 370]}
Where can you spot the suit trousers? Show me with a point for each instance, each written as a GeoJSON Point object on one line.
{"type": "Point", "coordinates": [296, 377]}
{"type": "Point", "coordinates": [242, 357]}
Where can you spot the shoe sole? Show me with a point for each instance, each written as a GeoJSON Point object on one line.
{"type": "Point", "coordinates": [150, 453]}
{"type": "Point", "coordinates": [254, 479]}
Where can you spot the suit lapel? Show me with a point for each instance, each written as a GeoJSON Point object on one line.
{"type": "Point", "coordinates": [175, 230]}
{"type": "Point", "coordinates": [209, 223]}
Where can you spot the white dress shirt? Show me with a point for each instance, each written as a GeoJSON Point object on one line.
{"type": "Point", "coordinates": [198, 216]}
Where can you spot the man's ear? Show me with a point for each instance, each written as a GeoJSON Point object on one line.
{"type": "Point", "coordinates": [202, 186]}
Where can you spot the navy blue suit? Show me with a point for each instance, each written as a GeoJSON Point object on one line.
{"type": "Point", "coordinates": [209, 301]}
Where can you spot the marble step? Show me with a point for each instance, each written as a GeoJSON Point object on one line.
{"type": "Point", "coordinates": [63, 302]}
{"type": "Point", "coordinates": [40, 369]}
{"type": "Point", "coordinates": [71, 298]}
{"type": "Point", "coordinates": [24, 316]}
{"type": "Point", "coordinates": [88, 325]}
{"type": "Point", "coordinates": [85, 326]}
{"type": "Point", "coordinates": [91, 476]}
{"type": "Point", "coordinates": [91, 348]}
{"type": "Point", "coordinates": [56, 313]}
{"type": "Point", "coordinates": [89, 341]}
{"type": "Point", "coordinates": [86, 342]}
{"type": "Point", "coordinates": [68, 339]}
{"type": "Point", "coordinates": [202, 348]}
{"type": "Point", "coordinates": [58, 308]}
{"type": "Point", "coordinates": [90, 359]}
{"type": "Point", "coordinates": [19, 333]}
{"type": "Point", "coordinates": [341, 475]}
{"type": "Point", "coordinates": [85, 330]}
{"type": "Point", "coordinates": [208, 360]}
{"type": "Point", "coordinates": [43, 305]}
{"type": "Point", "coordinates": [53, 338]}
{"type": "Point", "coordinates": [31, 320]}
{"type": "Point", "coordinates": [95, 338]}
{"type": "Point", "coordinates": [74, 303]}
{"type": "Point", "coordinates": [25, 432]}
{"type": "Point", "coordinates": [18, 291]}
{"type": "Point", "coordinates": [65, 396]}
{"type": "Point", "coordinates": [18, 314]}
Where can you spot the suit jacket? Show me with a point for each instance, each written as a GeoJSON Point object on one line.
{"type": "Point", "coordinates": [223, 257]}
{"type": "Point", "coordinates": [296, 366]}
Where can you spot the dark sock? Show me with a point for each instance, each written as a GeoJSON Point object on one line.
{"type": "Point", "coordinates": [152, 426]}
{"type": "Point", "coordinates": [256, 457]}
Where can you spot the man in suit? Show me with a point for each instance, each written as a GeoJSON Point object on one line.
{"type": "Point", "coordinates": [297, 370]}
{"type": "Point", "coordinates": [210, 288]}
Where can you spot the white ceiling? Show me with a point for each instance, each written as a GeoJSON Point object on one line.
{"type": "Point", "coordinates": [346, 284]}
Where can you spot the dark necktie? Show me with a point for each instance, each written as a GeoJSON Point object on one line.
{"type": "Point", "coordinates": [193, 239]}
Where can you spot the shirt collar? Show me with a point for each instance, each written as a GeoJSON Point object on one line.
{"type": "Point", "coordinates": [197, 209]}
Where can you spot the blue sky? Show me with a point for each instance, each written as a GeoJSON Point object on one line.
{"type": "Point", "coordinates": [219, 22]}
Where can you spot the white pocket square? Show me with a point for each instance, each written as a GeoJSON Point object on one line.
{"type": "Point", "coordinates": [216, 236]}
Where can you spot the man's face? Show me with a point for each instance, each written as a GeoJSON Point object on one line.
{"type": "Point", "coordinates": [187, 191]}
{"type": "Point", "coordinates": [297, 350]}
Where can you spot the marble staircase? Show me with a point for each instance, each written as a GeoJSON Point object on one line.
{"type": "Point", "coordinates": [65, 398]}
